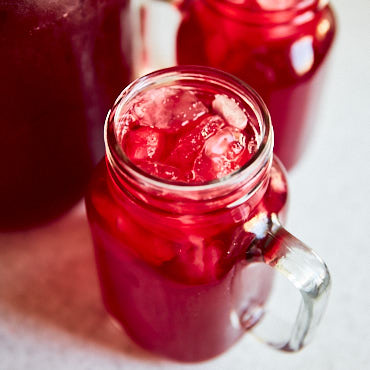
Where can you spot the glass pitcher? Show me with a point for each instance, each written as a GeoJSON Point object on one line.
{"type": "Point", "coordinates": [62, 64]}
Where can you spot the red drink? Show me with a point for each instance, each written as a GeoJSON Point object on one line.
{"type": "Point", "coordinates": [171, 236]}
{"type": "Point", "coordinates": [277, 47]}
{"type": "Point", "coordinates": [187, 136]}
{"type": "Point", "coordinates": [62, 64]}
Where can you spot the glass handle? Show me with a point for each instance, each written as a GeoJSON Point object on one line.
{"type": "Point", "coordinates": [305, 270]}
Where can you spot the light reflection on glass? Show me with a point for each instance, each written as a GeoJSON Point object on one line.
{"type": "Point", "coordinates": [322, 28]}
{"type": "Point", "coordinates": [302, 55]}
{"type": "Point", "coordinates": [276, 4]}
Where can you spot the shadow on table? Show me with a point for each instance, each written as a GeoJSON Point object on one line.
{"type": "Point", "coordinates": [48, 275]}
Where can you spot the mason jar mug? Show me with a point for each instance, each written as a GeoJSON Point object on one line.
{"type": "Point", "coordinates": [186, 267]}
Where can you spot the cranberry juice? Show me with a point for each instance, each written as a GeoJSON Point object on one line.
{"type": "Point", "coordinates": [62, 64]}
{"type": "Point", "coordinates": [277, 47]}
{"type": "Point", "coordinates": [177, 135]}
{"type": "Point", "coordinates": [173, 271]}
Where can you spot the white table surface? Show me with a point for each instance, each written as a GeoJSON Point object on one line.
{"type": "Point", "coordinates": [51, 316]}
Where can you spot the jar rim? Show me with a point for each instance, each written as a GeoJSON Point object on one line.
{"type": "Point", "coordinates": [254, 13]}
{"type": "Point", "coordinates": [257, 6]}
{"type": "Point", "coordinates": [121, 163]}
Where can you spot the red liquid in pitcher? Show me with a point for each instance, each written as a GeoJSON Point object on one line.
{"type": "Point", "coordinates": [62, 65]}
{"type": "Point", "coordinates": [177, 280]}
{"type": "Point", "coordinates": [276, 47]}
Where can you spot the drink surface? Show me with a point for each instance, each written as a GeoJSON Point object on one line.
{"type": "Point", "coordinates": [188, 136]}
{"type": "Point", "coordinates": [277, 47]}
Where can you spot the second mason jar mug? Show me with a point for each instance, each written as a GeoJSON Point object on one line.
{"type": "Point", "coordinates": [280, 48]}
{"type": "Point", "coordinates": [186, 262]}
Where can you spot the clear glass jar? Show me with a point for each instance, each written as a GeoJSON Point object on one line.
{"type": "Point", "coordinates": [62, 64]}
{"type": "Point", "coordinates": [178, 264]}
{"type": "Point", "coordinates": [277, 47]}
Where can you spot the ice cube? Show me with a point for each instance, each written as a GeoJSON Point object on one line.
{"type": "Point", "coordinates": [223, 153]}
{"type": "Point", "coordinates": [160, 250]}
{"type": "Point", "coordinates": [208, 169]}
{"type": "Point", "coordinates": [191, 143]}
{"type": "Point", "coordinates": [123, 124]}
{"type": "Point", "coordinates": [152, 248]}
{"type": "Point", "coordinates": [168, 108]}
{"type": "Point", "coordinates": [160, 170]}
{"type": "Point", "coordinates": [144, 143]}
{"type": "Point", "coordinates": [229, 109]}
{"type": "Point", "coordinates": [228, 142]}
{"type": "Point", "coordinates": [199, 260]}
